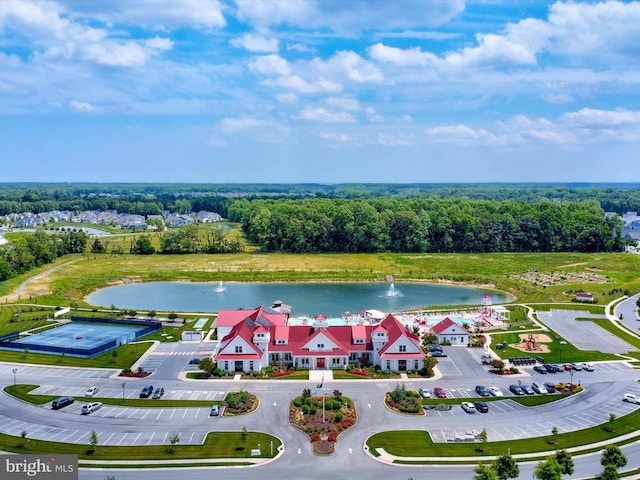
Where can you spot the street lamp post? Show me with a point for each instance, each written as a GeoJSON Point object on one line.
{"type": "Point", "coordinates": [15, 370]}
{"type": "Point", "coordinates": [123, 385]}
{"type": "Point", "coordinates": [561, 344]}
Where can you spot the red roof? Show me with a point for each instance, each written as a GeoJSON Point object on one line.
{"type": "Point", "coordinates": [441, 326]}
{"type": "Point", "coordinates": [229, 318]}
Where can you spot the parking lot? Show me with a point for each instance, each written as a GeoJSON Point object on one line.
{"type": "Point", "coordinates": [584, 335]}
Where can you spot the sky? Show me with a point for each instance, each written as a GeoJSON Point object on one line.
{"type": "Point", "coordinates": [319, 91]}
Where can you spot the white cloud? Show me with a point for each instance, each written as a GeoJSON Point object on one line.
{"type": "Point", "coordinates": [349, 17]}
{"type": "Point", "coordinates": [350, 104]}
{"type": "Point", "coordinates": [60, 39]}
{"type": "Point", "coordinates": [352, 65]}
{"type": "Point", "coordinates": [255, 43]}
{"type": "Point", "coordinates": [373, 116]}
{"type": "Point", "coordinates": [323, 115]}
{"type": "Point", "coordinates": [590, 117]}
{"type": "Point", "coordinates": [81, 106]}
{"type": "Point", "coordinates": [270, 65]}
{"type": "Point", "coordinates": [156, 14]}
{"type": "Point", "coordinates": [299, 84]}
{"type": "Point", "coordinates": [402, 57]}
{"type": "Point", "coordinates": [336, 137]}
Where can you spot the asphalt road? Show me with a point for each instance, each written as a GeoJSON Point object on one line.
{"type": "Point", "coordinates": [116, 425]}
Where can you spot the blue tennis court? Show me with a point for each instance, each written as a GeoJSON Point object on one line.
{"type": "Point", "coordinates": [82, 335]}
{"type": "Point", "coordinates": [78, 339]}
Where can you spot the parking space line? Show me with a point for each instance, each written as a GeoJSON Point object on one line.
{"type": "Point", "coordinates": [72, 433]}
{"type": "Point", "coordinates": [108, 439]}
{"type": "Point", "coordinates": [151, 438]}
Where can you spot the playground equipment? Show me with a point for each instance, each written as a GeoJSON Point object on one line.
{"type": "Point", "coordinates": [532, 343]}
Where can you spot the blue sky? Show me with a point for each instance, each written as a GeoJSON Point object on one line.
{"type": "Point", "coordinates": [325, 91]}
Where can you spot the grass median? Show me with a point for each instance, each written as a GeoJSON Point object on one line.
{"type": "Point", "coordinates": [418, 443]}
{"type": "Point", "coordinates": [21, 391]}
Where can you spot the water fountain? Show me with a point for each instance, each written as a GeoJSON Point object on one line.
{"type": "Point", "coordinates": [220, 288]}
{"type": "Point", "coordinates": [392, 291]}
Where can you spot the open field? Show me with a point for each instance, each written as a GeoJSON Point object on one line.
{"type": "Point", "coordinates": [79, 275]}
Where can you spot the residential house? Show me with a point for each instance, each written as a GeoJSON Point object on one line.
{"type": "Point", "coordinates": [449, 331]}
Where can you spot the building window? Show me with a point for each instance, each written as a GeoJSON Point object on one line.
{"type": "Point", "coordinates": [415, 364]}
{"type": "Point", "coordinates": [320, 346]}
{"type": "Point", "coordinates": [402, 348]}
{"type": "Point", "coordinates": [388, 364]}
{"type": "Point", "coordinates": [251, 366]}
{"type": "Point", "coordinates": [305, 362]}
{"type": "Point", "coordinates": [238, 348]}
{"type": "Point", "coordinates": [287, 357]}
{"type": "Point", "coordinates": [336, 361]}
{"type": "Point", "coordinates": [226, 365]}
{"type": "Point", "coordinates": [461, 339]}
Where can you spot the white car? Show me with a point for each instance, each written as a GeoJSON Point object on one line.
{"type": "Point", "coordinates": [495, 392]}
{"type": "Point", "coordinates": [425, 393]}
{"type": "Point", "coordinates": [588, 367]}
{"type": "Point", "coordinates": [539, 388]}
{"type": "Point", "coordinates": [91, 391]}
{"type": "Point", "coordinates": [468, 407]}
{"type": "Point", "coordinates": [631, 398]}
{"type": "Point", "coordinates": [91, 407]}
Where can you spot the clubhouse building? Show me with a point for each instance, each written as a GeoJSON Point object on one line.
{"type": "Point", "coordinates": [253, 339]}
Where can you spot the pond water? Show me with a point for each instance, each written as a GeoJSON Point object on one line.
{"type": "Point", "coordinates": [330, 299]}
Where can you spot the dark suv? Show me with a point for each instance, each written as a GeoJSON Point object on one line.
{"type": "Point", "coordinates": [146, 391]}
{"type": "Point", "coordinates": [58, 403]}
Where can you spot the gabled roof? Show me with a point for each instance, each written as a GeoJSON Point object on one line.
{"type": "Point", "coordinates": [230, 318]}
{"type": "Point", "coordinates": [443, 325]}
{"type": "Point", "coordinates": [244, 330]}
{"type": "Point", "coordinates": [395, 330]}
{"type": "Point", "coordinates": [339, 348]}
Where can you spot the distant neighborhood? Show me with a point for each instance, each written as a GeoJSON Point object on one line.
{"type": "Point", "coordinates": [126, 221]}
{"type": "Point", "coordinates": [631, 228]}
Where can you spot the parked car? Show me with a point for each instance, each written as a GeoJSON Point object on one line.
{"type": "Point", "coordinates": [539, 387]}
{"type": "Point", "coordinates": [425, 392]}
{"type": "Point", "coordinates": [438, 353]}
{"type": "Point", "coordinates": [91, 407]}
{"type": "Point", "coordinates": [194, 361]}
{"type": "Point", "coordinates": [495, 391]}
{"type": "Point", "coordinates": [158, 393]}
{"type": "Point", "coordinates": [588, 367]}
{"type": "Point", "coordinates": [91, 391]}
{"type": "Point", "coordinates": [568, 367]}
{"type": "Point", "coordinates": [550, 368]}
{"type": "Point", "coordinates": [61, 402]}
{"type": "Point", "coordinates": [482, 407]}
{"type": "Point", "coordinates": [146, 391]}
{"type": "Point", "coordinates": [528, 389]}
{"type": "Point", "coordinates": [215, 411]}
{"type": "Point", "coordinates": [468, 407]}
{"type": "Point", "coordinates": [576, 366]}
{"type": "Point", "coordinates": [631, 398]}
{"type": "Point", "coordinates": [550, 386]}
{"type": "Point", "coordinates": [435, 348]}
{"type": "Point", "coordinates": [482, 391]}
{"type": "Point", "coordinates": [439, 392]}
{"type": "Point", "coordinates": [516, 389]}
{"type": "Point", "coordinates": [540, 369]}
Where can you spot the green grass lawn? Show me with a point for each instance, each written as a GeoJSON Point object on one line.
{"type": "Point", "coordinates": [216, 445]}
{"type": "Point", "coordinates": [418, 443]}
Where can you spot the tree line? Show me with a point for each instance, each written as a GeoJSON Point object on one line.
{"type": "Point", "coordinates": [426, 225]}
{"type": "Point", "coordinates": [153, 199]}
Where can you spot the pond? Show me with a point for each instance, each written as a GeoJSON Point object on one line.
{"type": "Point", "coordinates": [310, 299]}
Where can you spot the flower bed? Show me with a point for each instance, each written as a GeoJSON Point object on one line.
{"type": "Point", "coordinates": [323, 425]}
{"type": "Point", "coordinates": [239, 403]}
{"type": "Point", "coordinates": [404, 401]}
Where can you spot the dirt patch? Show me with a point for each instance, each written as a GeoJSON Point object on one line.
{"type": "Point", "coordinates": [562, 278]}
{"type": "Point", "coordinates": [533, 343]}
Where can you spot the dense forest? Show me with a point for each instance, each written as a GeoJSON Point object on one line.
{"type": "Point", "coordinates": [426, 225]}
